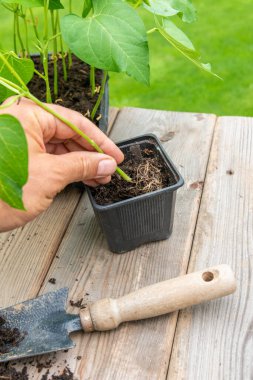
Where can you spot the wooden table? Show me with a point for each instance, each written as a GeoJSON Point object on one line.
{"type": "Point", "coordinates": [213, 225]}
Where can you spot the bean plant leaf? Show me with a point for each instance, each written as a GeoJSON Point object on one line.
{"type": "Point", "coordinates": [137, 3]}
{"type": "Point", "coordinates": [167, 8]}
{"type": "Point", "coordinates": [113, 38]}
{"type": "Point", "coordinates": [87, 7]}
{"type": "Point", "coordinates": [53, 4]}
{"type": "Point", "coordinates": [182, 43]}
{"type": "Point", "coordinates": [13, 161]}
{"type": "Point", "coordinates": [23, 66]}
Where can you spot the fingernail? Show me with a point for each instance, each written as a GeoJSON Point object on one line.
{"type": "Point", "coordinates": [106, 167]}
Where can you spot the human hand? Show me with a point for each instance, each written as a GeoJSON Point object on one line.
{"type": "Point", "coordinates": [57, 157]}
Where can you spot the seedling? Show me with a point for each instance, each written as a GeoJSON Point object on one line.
{"type": "Point", "coordinates": [21, 90]}
{"type": "Point", "coordinates": [100, 36]}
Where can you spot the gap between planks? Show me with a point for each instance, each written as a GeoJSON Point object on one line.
{"type": "Point", "coordinates": [215, 340]}
{"type": "Point", "coordinates": [84, 264]}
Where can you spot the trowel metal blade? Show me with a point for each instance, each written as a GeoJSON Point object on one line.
{"type": "Point", "coordinates": [44, 324]}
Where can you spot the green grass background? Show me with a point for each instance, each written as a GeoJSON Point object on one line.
{"type": "Point", "coordinates": [224, 36]}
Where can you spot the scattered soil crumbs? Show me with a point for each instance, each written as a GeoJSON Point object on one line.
{"type": "Point", "coordinates": [78, 303]}
{"type": "Point", "coordinates": [65, 375]}
{"type": "Point", "coordinates": [147, 169]}
{"type": "Point", "coordinates": [8, 372]}
{"type": "Point", "coordinates": [75, 93]}
{"type": "Point", "coordinates": [9, 337]}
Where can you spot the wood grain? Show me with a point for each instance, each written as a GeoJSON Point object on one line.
{"type": "Point", "coordinates": [91, 271]}
{"type": "Point", "coordinates": [215, 340]}
{"type": "Point", "coordinates": [26, 253]}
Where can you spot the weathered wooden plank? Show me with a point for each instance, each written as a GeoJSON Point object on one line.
{"type": "Point", "coordinates": [85, 265]}
{"type": "Point", "coordinates": [26, 253]}
{"type": "Point", "coordinates": [214, 340]}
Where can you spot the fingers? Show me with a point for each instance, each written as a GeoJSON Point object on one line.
{"type": "Point", "coordinates": [98, 181]}
{"type": "Point", "coordinates": [59, 130]}
{"type": "Point", "coordinates": [89, 167]}
{"type": "Point", "coordinates": [34, 118]}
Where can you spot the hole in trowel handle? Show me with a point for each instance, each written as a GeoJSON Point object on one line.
{"type": "Point", "coordinates": [208, 276]}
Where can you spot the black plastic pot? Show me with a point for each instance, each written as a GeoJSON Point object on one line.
{"type": "Point", "coordinates": [149, 217]}
{"type": "Point", "coordinates": [104, 109]}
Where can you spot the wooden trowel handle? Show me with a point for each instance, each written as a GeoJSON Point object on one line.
{"type": "Point", "coordinates": [161, 298]}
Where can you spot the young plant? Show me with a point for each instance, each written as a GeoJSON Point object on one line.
{"type": "Point", "coordinates": [107, 34]}
{"type": "Point", "coordinates": [13, 175]}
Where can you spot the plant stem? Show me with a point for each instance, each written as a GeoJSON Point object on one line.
{"type": "Point", "coordinates": [70, 62]}
{"type": "Point", "coordinates": [26, 35]}
{"type": "Point", "coordinates": [152, 30]}
{"type": "Point", "coordinates": [13, 72]}
{"type": "Point", "coordinates": [39, 74]}
{"type": "Point", "coordinates": [137, 4]}
{"type": "Point", "coordinates": [4, 82]}
{"type": "Point", "coordinates": [34, 24]}
{"type": "Point", "coordinates": [18, 90]}
{"type": "Point", "coordinates": [100, 96]}
{"type": "Point", "coordinates": [69, 51]}
{"type": "Point", "coordinates": [19, 35]}
{"type": "Point", "coordinates": [45, 52]}
{"type": "Point", "coordinates": [15, 33]}
{"type": "Point", "coordinates": [92, 80]}
{"type": "Point", "coordinates": [64, 67]}
{"type": "Point", "coordinates": [54, 31]}
{"type": "Point", "coordinates": [75, 129]}
{"type": "Point", "coordinates": [7, 7]}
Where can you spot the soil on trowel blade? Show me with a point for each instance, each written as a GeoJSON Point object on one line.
{"type": "Point", "coordinates": [9, 337]}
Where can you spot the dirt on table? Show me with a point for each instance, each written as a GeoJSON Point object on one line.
{"type": "Point", "coordinates": [9, 372]}
{"type": "Point", "coordinates": [75, 93]}
{"type": "Point", "coordinates": [65, 375]}
{"type": "Point", "coordinates": [148, 171]}
{"type": "Point", "coordinates": [9, 337]}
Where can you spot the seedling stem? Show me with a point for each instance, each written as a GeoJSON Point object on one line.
{"type": "Point", "coordinates": [100, 96]}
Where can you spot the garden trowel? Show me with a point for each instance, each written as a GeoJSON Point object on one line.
{"type": "Point", "coordinates": [45, 326]}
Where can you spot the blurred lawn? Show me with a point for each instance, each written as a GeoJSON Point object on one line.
{"type": "Point", "coordinates": [224, 36]}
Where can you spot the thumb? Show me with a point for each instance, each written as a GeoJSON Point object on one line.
{"type": "Point", "coordinates": [81, 166]}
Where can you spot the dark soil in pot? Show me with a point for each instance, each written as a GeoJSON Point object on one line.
{"type": "Point", "coordinates": [75, 93]}
{"type": "Point", "coordinates": [148, 171]}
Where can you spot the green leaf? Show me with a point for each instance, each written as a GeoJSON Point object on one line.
{"type": "Point", "coordinates": [87, 6]}
{"type": "Point", "coordinates": [113, 38]}
{"type": "Point", "coordinates": [23, 66]}
{"type": "Point", "coordinates": [13, 161]}
{"type": "Point", "coordinates": [137, 3]}
{"type": "Point", "coordinates": [167, 8]}
{"type": "Point", "coordinates": [53, 4]}
{"type": "Point", "coordinates": [182, 43]}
